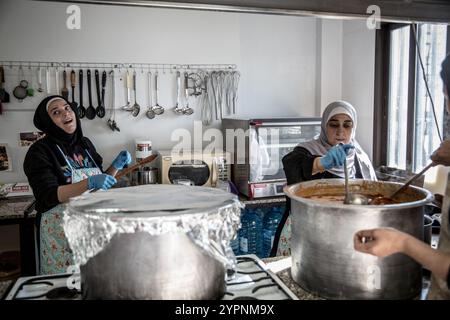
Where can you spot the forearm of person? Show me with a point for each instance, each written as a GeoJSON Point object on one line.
{"type": "Point", "coordinates": [317, 166]}
{"type": "Point", "coordinates": [434, 260]}
{"type": "Point", "coordinates": [111, 171]}
{"type": "Point", "coordinates": [68, 191]}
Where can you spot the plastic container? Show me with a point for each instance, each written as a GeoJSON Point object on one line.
{"type": "Point", "coordinates": [250, 234]}
{"type": "Point", "coordinates": [235, 245]}
{"type": "Point", "coordinates": [270, 224]}
{"type": "Point", "coordinates": [143, 149]}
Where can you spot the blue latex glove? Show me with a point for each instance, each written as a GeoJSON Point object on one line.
{"type": "Point", "coordinates": [124, 158]}
{"type": "Point", "coordinates": [335, 157]}
{"type": "Point", "coordinates": [101, 181]}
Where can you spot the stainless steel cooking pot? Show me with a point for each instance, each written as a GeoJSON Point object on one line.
{"type": "Point", "coordinates": [324, 261]}
{"type": "Point", "coordinates": [132, 243]}
{"type": "Point", "coordinates": [144, 175]}
{"type": "Point", "coordinates": [142, 266]}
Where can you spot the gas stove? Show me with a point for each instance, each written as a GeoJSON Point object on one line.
{"type": "Point", "coordinates": [250, 281]}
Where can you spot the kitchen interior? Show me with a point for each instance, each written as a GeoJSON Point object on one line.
{"type": "Point", "coordinates": [168, 75]}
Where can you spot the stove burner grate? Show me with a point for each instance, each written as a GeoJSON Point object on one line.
{"type": "Point", "coordinates": [62, 293]}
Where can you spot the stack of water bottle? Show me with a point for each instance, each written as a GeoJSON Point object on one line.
{"type": "Point", "coordinates": [258, 227]}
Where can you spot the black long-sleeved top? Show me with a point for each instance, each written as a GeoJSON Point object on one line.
{"type": "Point", "coordinates": [47, 169]}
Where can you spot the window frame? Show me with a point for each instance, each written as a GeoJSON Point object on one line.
{"type": "Point", "coordinates": [381, 93]}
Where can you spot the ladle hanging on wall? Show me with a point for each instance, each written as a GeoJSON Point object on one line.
{"type": "Point", "coordinates": [20, 91]}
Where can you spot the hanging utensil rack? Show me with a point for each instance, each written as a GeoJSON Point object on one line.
{"type": "Point", "coordinates": [121, 66]}
{"type": "Point", "coordinates": [164, 67]}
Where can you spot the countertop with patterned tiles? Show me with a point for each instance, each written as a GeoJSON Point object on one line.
{"type": "Point", "coordinates": [285, 276]}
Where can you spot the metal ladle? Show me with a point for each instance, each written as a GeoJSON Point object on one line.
{"type": "Point", "coordinates": [187, 110]}
{"type": "Point", "coordinates": [352, 198]}
{"type": "Point", "coordinates": [128, 106]}
{"type": "Point", "coordinates": [112, 116]}
{"type": "Point", "coordinates": [157, 108]}
{"type": "Point", "coordinates": [150, 113]}
{"type": "Point", "coordinates": [177, 108]}
{"type": "Point", "coordinates": [136, 106]}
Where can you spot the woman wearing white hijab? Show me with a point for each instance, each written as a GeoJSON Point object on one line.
{"type": "Point", "coordinates": [323, 158]}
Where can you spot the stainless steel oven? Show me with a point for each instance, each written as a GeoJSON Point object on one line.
{"type": "Point", "coordinates": [257, 147]}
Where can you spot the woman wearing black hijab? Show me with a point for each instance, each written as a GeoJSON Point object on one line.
{"type": "Point", "coordinates": [387, 241]}
{"type": "Point", "coordinates": [59, 166]}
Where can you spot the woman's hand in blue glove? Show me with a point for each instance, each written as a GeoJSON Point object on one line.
{"type": "Point", "coordinates": [101, 181]}
{"type": "Point", "coordinates": [124, 158]}
{"type": "Point", "coordinates": [335, 156]}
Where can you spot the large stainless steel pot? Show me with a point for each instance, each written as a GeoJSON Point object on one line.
{"type": "Point", "coordinates": [141, 266]}
{"type": "Point", "coordinates": [134, 243]}
{"type": "Point", "coordinates": [324, 261]}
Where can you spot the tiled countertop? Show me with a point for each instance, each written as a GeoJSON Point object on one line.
{"type": "Point", "coordinates": [285, 276]}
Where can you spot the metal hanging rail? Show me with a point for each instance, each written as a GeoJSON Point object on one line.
{"type": "Point", "coordinates": [117, 65]}
{"type": "Point", "coordinates": [122, 66]}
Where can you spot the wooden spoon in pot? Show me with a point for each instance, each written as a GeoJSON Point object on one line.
{"type": "Point", "coordinates": [124, 172]}
{"type": "Point", "coordinates": [390, 199]}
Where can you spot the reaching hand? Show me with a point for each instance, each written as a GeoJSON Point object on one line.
{"type": "Point", "coordinates": [379, 242]}
{"type": "Point", "coordinates": [123, 158]}
{"type": "Point", "coordinates": [101, 181]}
{"type": "Point", "coordinates": [335, 156]}
{"type": "Point", "coordinates": [442, 154]}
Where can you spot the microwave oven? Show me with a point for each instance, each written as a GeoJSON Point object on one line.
{"type": "Point", "coordinates": [196, 167]}
{"type": "Point", "coordinates": [257, 168]}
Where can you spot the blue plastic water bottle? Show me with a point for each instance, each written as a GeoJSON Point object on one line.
{"type": "Point", "coordinates": [250, 234]}
{"type": "Point", "coordinates": [235, 245]}
{"type": "Point", "coordinates": [271, 222]}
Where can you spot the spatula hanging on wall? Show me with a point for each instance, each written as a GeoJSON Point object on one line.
{"type": "Point", "coordinates": [101, 109]}
{"type": "Point", "coordinates": [65, 91]}
{"type": "Point", "coordinates": [90, 111]}
{"type": "Point", "coordinates": [81, 108]}
{"type": "Point", "coordinates": [72, 84]}
{"type": "Point", "coordinates": [4, 96]}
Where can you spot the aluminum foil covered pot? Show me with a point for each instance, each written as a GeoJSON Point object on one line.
{"type": "Point", "coordinates": [324, 261]}
{"type": "Point", "coordinates": [153, 241]}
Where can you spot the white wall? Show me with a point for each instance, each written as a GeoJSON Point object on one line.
{"type": "Point", "coordinates": [329, 75]}
{"type": "Point", "coordinates": [290, 66]}
{"type": "Point", "coordinates": [278, 58]}
{"type": "Point", "coordinates": [358, 74]}
{"type": "Point", "coordinates": [275, 54]}
{"type": "Point", "coordinates": [345, 70]}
